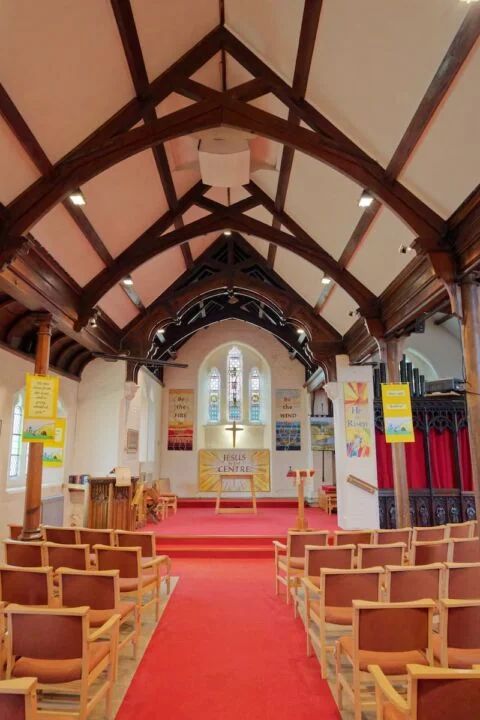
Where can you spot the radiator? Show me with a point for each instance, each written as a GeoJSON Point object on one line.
{"type": "Point", "coordinates": [52, 510]}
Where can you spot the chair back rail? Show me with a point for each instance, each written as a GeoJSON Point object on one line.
{"type": "Point", "coordinates": [317, 558]}
{"type": "Point", "coordinates": [426, 553]}
{"type": "Point", "coordinates": [338, 588]}
{"type": "Point", "coordinates": [465, 551]}
{"type": "Point", "coordinates": [144, 540]}
{"type": "Point", "coordinates": [24, 554]}
{"type": "Point", "coordinates": [462, 581]}
{"type": "Point", "coordinates": [59, 535]}
{"type": "Point", "coordinates": [381, 555]}
{"type": "Point", "coordinates": [26, 586]}
{"type": "Point", "coordinates": [59, 555]}
{"type": "Point", "coordinates": [409, 583]}
{"type": "Point", "coordinates": [352, 537]}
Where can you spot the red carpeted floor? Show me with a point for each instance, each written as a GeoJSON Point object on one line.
{"type": "Point", "coordinates": [227, 648]}
{"type": "Point", "coordinates": [268, 521]}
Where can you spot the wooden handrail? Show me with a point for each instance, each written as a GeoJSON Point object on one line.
{"type": "Point", "coordinates": [362, 484]}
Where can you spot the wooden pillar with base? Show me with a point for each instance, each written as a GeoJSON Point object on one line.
{"type": "Point", "coordinates": [471, 355]}
{"type": "Point", "coordinates": [299, 481]}
{"type": "Point", "coordinates": [33, 490]}
{"type": "Point", "coordinates": [394, 350]}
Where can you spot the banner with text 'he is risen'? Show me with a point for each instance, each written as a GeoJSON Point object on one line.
{"type": "Point", "coordinates": [180, 419]}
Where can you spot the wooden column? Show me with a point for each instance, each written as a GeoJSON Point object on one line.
{"type": "Point", "coordinates": [471, 355]}
{"type": "Point", "coordinates": [394, 350]}
{"type": "Point", "coordinates": [33, 490]}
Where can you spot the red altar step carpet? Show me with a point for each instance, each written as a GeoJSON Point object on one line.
{"type": "Point", "coordinates": [227, 648]}
{"type": "Point", "coordinates": [199, 532]}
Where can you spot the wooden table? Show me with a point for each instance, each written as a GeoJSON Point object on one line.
{"type": "Point", "coordinates": [299, 477]}
{"type": "Point", "coordinates": [231, 476]}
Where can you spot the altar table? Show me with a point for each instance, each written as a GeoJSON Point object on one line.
{"type": "Point", "coordinates": [232, 476]}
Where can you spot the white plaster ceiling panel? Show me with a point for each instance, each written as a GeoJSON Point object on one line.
{"type": "Point", "coordinates": [373, 62]}
{"type": "Point", "coordinates": [118, 306]}
{"type": "Point", "coordinates": [167, 30]}
{"type": "Point", "coordinates": [200, 244]}
{"type": "Point", "coordinates": [194, 213]}
{"type": "Point", "coordinates": [259, 213]}
{"type": "Point", "coordinates": [271, 104]}
{"type": "Point", "coordinates": [261, 246]}
{"type": "Point", "coordinates": [270, 28]}
{"type": "Point", "coordinates": [302, 276]}
{"type": "Point", "coordinates": [378, 260]}
{"type": "Point", "coordinates": [267, 181]}
{"type": "Point", "coordinates": [153, 277]}
{"type": "Point", "coordinates": [236, 73]}
{"type": "Point", "coordinates": [64, 67]}
{"type": "Point", "coordinates": [219, 194]}
{"type": "Point", "coordinates": [17, 171]}
{"type": "Point", "coordinates": [323, 202]}
{"type": "Point", "coordinates": [182, 153]}
{"type": "Point", "coordinates": [445, 167]}
{"type": "Point", "coordinates": [172, 103]}
{"type": "Point", "coordinates": [238, 193]}
{"type": "Point", "coordinates": [184, 180]}
{"type": "Point", "coordinates": [125, 200]}
{"type": "Point", "coordinates": [210, 74]}
{"type": "Point", "coordinates": [60, 236]}
{"type": "Point", "coordinates": [336, 310]}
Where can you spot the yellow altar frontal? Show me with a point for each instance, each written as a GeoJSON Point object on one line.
{"type": "Point", "coordinates": [239, 465]}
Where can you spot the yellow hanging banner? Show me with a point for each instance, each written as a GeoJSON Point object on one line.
{"type": "Point", "coordinates": [397, 413]}
{"type": "Point", "coordinates": [41, 395]}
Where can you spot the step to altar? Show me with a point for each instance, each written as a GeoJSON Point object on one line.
{"type": "Point", "coordinates": [217, 546]}
{"type": "Point", "coordinates": [237, 502]}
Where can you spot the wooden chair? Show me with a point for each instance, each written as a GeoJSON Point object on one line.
{"type": "Point", "coordinates": [57, 647]}
{"type": "Point", "coordinates": [134, 579]}
{"type": "Point", "coordinates": [461, 530]}
{"type": "Point", "coordinates": [100, 591]}
{"type": "Point", "coordinates": [3, 633]}
{"type": "Point", "coordinates": [462, 581]}
{"type": "Point", "coordinates": [465, 550]}
{"type": "Point", "coordinates": [95, 536]}
{"type": "Point", "coordinates": [388, 635]}
{"type": "Point", "coordinates": [26, 586]}
{"type": "Point", "coordinates": [156, 506]}
{"type": "Point", "coordinates": [290, 558]}
{"type": "Point", "coordinates": [338, 588]}
{"type": "Point", "coordinates": [432, 693]}
{"type": "Point", "coordinates": [352, 537]}
{"type": "Point", "coordinates": [426, 553]}
{"type": "Point", "coordinates": [24, 554]}
{"type": "Point", "coordinates": [430, 534]}
{"type": "Point", "coordinates": [327, 500]}
{"type": "Point", "coordinates": [387, 537]}
{"type": "Point", "coordinates": [147, 543]}
{"type": "Point", "coordinates": [18, 699]}
{"type": "Point", "coordinates": [162, 486]}
{"type": "Point", "coordinates": [14, 531]}
{"type": "Point", "coordinates": [317, 558]}
{"type": "Point", "coordinates": [59, 535]}
{"type": "Point", "coordinates": [458, 643]}
{"type": "Point", "coordinates": [406, 584]}
{"type": "Point", "coordinates": [76, 557]}
{"type": "Point", "coordinates": [381, 555]}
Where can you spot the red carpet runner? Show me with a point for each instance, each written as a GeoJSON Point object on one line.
{"type": "Point", "coordinates": [227, 649]}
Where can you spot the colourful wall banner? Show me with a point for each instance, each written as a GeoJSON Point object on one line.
{"type": "Point", "coordinates": [288, 419]}
{"type": "Point", "coordinates": [180, 419]}
{"type": "Point", "coordinates": [41, 396]}
{"type": "Point", "coordinates": [358, 429]}
{"type": "Point", "coordinates": [214, 463]}
{"type": "Point", "coordinates": [397, 413]}
{"type": "Point", "coordinates": [322, 434]}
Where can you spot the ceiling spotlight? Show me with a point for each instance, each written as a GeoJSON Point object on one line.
{"type": "Point", "coordinates": [300, 331]}
{"type": "Point", "coordinates": [404, 249]}
{"type": "Point", "coordinates": [161, 331]}
{"type": "Point", "coordinates": [77, 197]}
{"type": "Point", "coordinates": [227, 233]}
{"type": "Point", "coordinates": [127, 281]}
{"type": "Point", "coordinates": [232, 300]}
{"type": "Point", "coordinates": [366, 199]}
{"type": "Point", "coordinates": [326, 280]}
{"type": "Point", "coordinates": [93, 321]}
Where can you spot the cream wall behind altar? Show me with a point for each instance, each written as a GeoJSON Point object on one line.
{"type": "Point", "coordinates": [182, 466]}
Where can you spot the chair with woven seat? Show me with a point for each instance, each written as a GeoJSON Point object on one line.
{"type": "Point", "coordinates": [147, 543]}
{"type": "Point", "coordinates": [134, 580]}
{"type": "Point", "coordinates": [290, 557]}
{"type": "Point", "coordinates": [462, 581]}
{"type": "Point", "coordinates": [432, 693]}
{"type": "Point", "coordinates": [59, 535]}
{"type": "Point", "coordinates": [59, 555]}
{"type": "Point", "coordinates": [24, 554]}
{"type": "Point", "coordinates": [18, 699]}
{"type": "Point", "coordinates": [415, 582]}
{"type": "Point", "coordinates": [100, 591]}
{"type": "Point", "coordinates": [426, 553]}
{"type": "Point", "coordinates": [57, 647]}
{"type": "Point", "coordinates": [465, 550]}
{"type": "Point", "coordinates": [338, 588]}
{"type": "Point", "coordinates": [458, 643]}
{"type": "Point", "coordinates": [430, 534]}
{"type": "Point", "coordinates": [317, 558]}
{"type": "Point", "coordinates": [461, 530]}
{"type": "Point", "coordinates": [381, 555]}
{"type": "Point", "coordinates": [390, 635]}
{"type": "Point", "coordinates": [26, 586]}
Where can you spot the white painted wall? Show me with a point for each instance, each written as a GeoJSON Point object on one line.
{"type": "Point", "coordinates": [182, 467]}
{"type": "Point", "coordinates": [12, 379]}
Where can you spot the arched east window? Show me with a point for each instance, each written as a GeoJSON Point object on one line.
{"type": "Point", "coordinates": [254, 395]}
{"type": "Point", "coordinates": [14, 464]}
{"type": "Point", "coordinates": [214, 396]}
{"type": "Point", "coordinates": [234, 388]}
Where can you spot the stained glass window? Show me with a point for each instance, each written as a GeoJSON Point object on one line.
{"type": "Point", "coordinates": [214, 396]}
{"type": "Point", "coordinates": [16, 446]}
{"type": "Point", "coordinates": [234, 380]}
{"type": "Point", "coordinates": [254, 395]}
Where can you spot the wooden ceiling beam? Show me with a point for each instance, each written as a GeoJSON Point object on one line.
{"type": "Point", "coordinates": [240, 206]}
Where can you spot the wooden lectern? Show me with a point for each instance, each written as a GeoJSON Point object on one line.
{"type": "Point", "coordinates": [299, 477]}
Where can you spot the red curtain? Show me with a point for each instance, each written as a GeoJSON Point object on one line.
{"type": "Point", "coordinates": [465, 459]}
{"type": "Point", "coordinates": [384, 462]}
{"type": "Point", "coordinates": [442, 459]}
{"type": "Point", "coordinates": [415, 461]}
